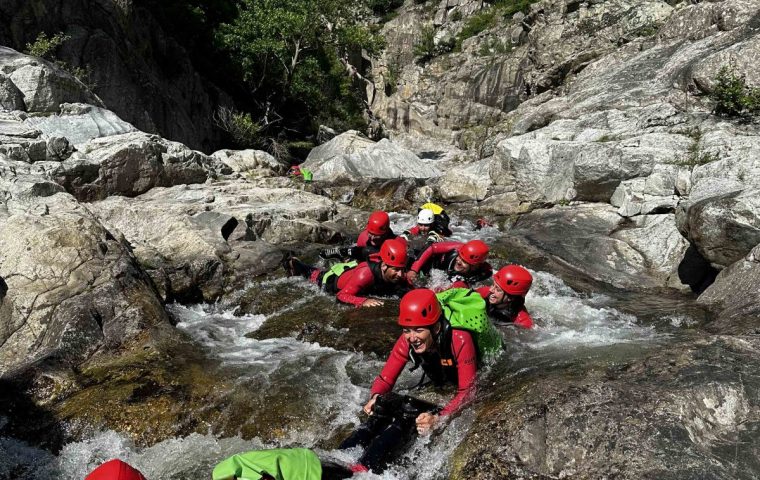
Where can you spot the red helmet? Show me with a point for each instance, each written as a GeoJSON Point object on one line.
{"type": "Point", "coordinates": [115, 470]}
{"type": "Point", "coordinates": [379, 223]}
{"type": "Point", "coordinates": [474, 252]}
{"type": "Point", "coordinates": [419, 308]}
{"type": "Point", "coordinates": [393, 253]}
{"type": "Point", "coordinates": [514, 279]}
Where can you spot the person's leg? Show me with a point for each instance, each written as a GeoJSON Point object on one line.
{"type": "Point", "coordinates": [364, 434]}
{"type": "Point", "coordinates": [295, 267]}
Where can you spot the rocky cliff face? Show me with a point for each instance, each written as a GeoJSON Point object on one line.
{"type": "Point", "coordinates": [592, 102]}
{"type": "Point", "coordinates": [137, 71]}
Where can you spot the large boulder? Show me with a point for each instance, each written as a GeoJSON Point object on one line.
{"type": "Point", "coordinates": [72, 288]}
{"type": "Point", "coordinates": [349, 156]}
{"type": "Point", "coordinates": [252, 163]}
{"type": "Point", "coordinates": [132, 163]}
{"type": "Point", "coordinates": [199, 242]}
{"type": "Point", "coordinates": [643, 252]}
{"type": "Point", "coordinates": [467, 182]}
{"type": "Point", "coordinates": [735, 297]}
{"type": "Point", "coordinates": [669, 415]}
{"type": "Point", "coordinates": [42, 84]}
{"type": "Point", "coordinates": [79, 123]}
{"type": "Point", "coordinates": [724, 227]}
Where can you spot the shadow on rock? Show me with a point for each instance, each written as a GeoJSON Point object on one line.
{"type": "Point", "coordinates": [25, 419]}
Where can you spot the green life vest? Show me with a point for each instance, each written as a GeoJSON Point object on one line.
{"type": "Point", "coordinates": [466, 310]}
{"type": "Point", "coordinates": [307, 175]}
{"type": "Point", "coordinates": [338, 270]}
{"type": "Point", "coordinates": [280, 463]}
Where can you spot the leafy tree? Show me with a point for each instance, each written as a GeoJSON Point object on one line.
{"type": "Point", "coordinates": [295, 55]}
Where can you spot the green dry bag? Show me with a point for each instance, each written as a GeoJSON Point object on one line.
{"type": "Point", "coordinates": [466, 310]}
{"type": "Point", "coordinates": [280, 463]}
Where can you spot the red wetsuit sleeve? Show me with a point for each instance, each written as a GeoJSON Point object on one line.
{"type": "Point", "coordinates": [363, 238]}
{"type": "Point", "coordinates": [523, 319]}
{"type": "Point", "coordinates": [434, 249]}
{"type": "Point", "coordinates": [484, 292]}
{"type": "Point", "coordinates": [465, 354]}
{"type": "Point", "coordinates": [353, 283]}
{"type": "Point", "coordinates": [393, 366]}
{"type": "Point", "coordinates": [414, 231]}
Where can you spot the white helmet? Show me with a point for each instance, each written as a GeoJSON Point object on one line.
{"type": "Point", "coordinates": [425, 217]}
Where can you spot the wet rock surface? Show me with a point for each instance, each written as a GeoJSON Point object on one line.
{"type": "Point", "coordinates": [686, 411]}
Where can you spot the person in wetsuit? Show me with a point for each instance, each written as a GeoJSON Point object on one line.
{"type": "Point", "coordinates": [352, 282]}
{"type": "Point", "coordinates": [506, 296]}
{"type": "Point", "coordinates": [370, 240]}
{"type": "Point", "coordinates": [464, 263]}
{"type": "Point", "coordinates": [445, 354]}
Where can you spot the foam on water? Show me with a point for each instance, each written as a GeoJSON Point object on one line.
{"type": "Point", "coordinates": [566, 320]}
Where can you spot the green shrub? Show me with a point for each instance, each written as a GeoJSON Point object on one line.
{"type": "Point", "coordinates": [475, 24]}
{"type": "Point", "coordinates": [732, 96]}
{"type": "Point", "coordinates": [425, 45]}
{"type": "Point", "coordinates": [507, 8]}
{"type": "Point", "coordinates": [45, 46]}
{"type": "Point", "coordinates": [242, 128]}
{"type": "Point", "coordinates": [456, 16]}
{"type": "Point", "coordinates": [392, 75]}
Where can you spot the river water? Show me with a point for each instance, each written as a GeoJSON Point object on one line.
{"type": "Point", "coordinates": [330, 384]}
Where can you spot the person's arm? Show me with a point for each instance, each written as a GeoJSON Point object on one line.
{"type": "Point", "coordinates": [360, 281]}
{"type": "Point", "coordinates": [393, 366]}
{"type": "Point", "coordinates": [363, 238]}
{"type": "Point", "coordinates": [434, 249]}
{"type": "Point", "coordinates": [523, 319]}
{"type": "Point", "coordinates": [463, 348]}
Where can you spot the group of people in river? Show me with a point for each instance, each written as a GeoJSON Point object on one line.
{"type": "Point", "coordinates": [449, 333]}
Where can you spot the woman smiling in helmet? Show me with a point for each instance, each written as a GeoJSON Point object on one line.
{"type": "Point", "coordinates": [506, 297]}
{"type": "Point", "coordinates": [446, 355]}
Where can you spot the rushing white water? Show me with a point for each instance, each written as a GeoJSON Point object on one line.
{"type": "Point", "coordinates": [333, 383]}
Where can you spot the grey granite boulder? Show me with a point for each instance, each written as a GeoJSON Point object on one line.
{"type": "Point", "coordinates": [643, 252]}
{"type": "Point", "coordinates": [43, 85]}
{"type": "Point", "coordinates": [349, 156]}
{"type": "Point", "coordinates": [735, 297]}
{"type": "Point", "coordinates": [252, 163]}
{"type": "Point", "coordinates": [131, 164]}
{"type": "Point", "coordinates": [199, 242]}
{"type": "Point", "coordinates": [73, 288]}
{"type": "Point", "coordinates": [80, 123]}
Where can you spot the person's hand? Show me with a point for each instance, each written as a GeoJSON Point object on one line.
{"type": "Point", "coordinates": [434, 237]}
{"type": "Point", "coordinates": [411, 275]}
{"type": "Point", "coordinates": [426, 421]}
{"type": "Point", "coordinates": [370, 404]}
{"type": "Point", "coordinates": [372, 302]}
